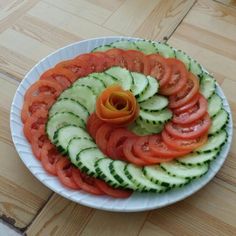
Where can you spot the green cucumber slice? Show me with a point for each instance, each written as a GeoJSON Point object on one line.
{"type": "Point", "coordinates": [146, 46]}
{"type": "Point", "coordinates": [207, 85]}
{"type": "Point", "coordinates": [182, 56]}
{"type": "Point", "coordinates": [154, 103]}
{"type": "Point", "coordinates": [102, 48]}
{"type": "Point", "coordinates": [105, 78]}
{"type": "Point", "coordinates": [124, 44]}
{"type": "Point", "coordinates": [165, 50]}
{"type": "Point", "coordinates": [195, 67]}
{"type": "Point", "coordinates": [140, 84]}
{"type": "Point", "coordinates": [214, 104]}
{"type": "Point", "coordinates": [219, 121]}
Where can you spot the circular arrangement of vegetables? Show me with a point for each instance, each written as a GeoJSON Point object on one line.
{"type": "Point", "coordinates": [129, 116]}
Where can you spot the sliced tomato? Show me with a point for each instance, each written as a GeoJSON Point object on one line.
{"type": "Point", "coordinates": [34, 103]}
{"type": "Point", "coordinates": [93, 124]}
{"type": "Point", "coordinates": [192, 114]}
{"type": "Point", "coordinates": [188, 105]}
{"type": "Point", "coordinates": [117, 56]}
{"type": "Point", "coordinates": [189, 90]}
{"type": "Point", "coordinates": [178, 77]}
{"type": "Point", "coordinates": [44, 87]}
{"type": "Point", "coordinates": [183, 144]}
{"type": "Point", "coordinates": [85, 182]}
{"type": "Point", "coordinates": [158, 68]}
{"type": "Point", "coordinates": [129, 154]}
{"type": "Point", "coordinates": [64, 173]}
{"type": "Point", "coordinates": [193, 130]}
{"type": "Point", "coordinates": [49, 157]}
{"type": "Point", "coordinates": [116, 193]}
{"type": "Point", "coordinates": [102, 136]}
{"type": "Point", "coordinates": [103, 61]}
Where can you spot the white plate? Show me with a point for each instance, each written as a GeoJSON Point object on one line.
{"type": "Point", "coordinates": [138, 201]}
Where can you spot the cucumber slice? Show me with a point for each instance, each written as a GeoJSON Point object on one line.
{"type": "Point", "coordinates": [150, 91]}
{"type": "Point", "coordinates": [218, 121]}
{"type": "Point", "coordinates": [102, 48]}
{"type": "Point", "coordinates": [97, 85]}
{"type": "Point", "coordinates": [189, 172]}
{"type": "Point", "coordinates": [156, 117]}
{"type": "Point", "coordinates": [81, 93]}
{"type": "Point", "coordinates": [60, 120]}
{"type": "Point", "coordinates": [87, 158]}
{"type": "Point", "coordinates": [157, 175]}
{"type": "Point", "coordinates": [198, 158]}
{"type": "Point", "coordinates": [214, 142]}
{"type": "Point", "coordinates": [207, 85]}
{"type": "Point", "coordinates": [124, 44]}
{"type": "Point", "coordinates": [69, 105]}
{"type": "Point", "coordinates": [122, 75]}
{"type": "Point", "coordinates": [165, 50]}
{"type": "Point", "coordinates": [139, 130]}
{"type": "Point", "coordinates": [117, 169]}
{"type": "Point", "coordinates": [135, 174]}
{"type": "Point", "coordinates": [76, 145]}
{"type": "Point", "coordinates": [154, 103]}
{"type": "Point", "coordinates": [214, 104]}
{"type": "Point", "coordinates": [102, 168]}
{"type": "Point", "coordinates": [149, 127]}
{"type": "Point", "coordinates": [195, 67]}
{"type": "Point", "coordinates": [105, 78]}
{"type": "Point", "coordinates": [140, 84]}
{"type": "Point", "coordinates": [64, 135]}
{"type": "Point", "coordinates": [146, 46]}
{"type": "Point", "coordinates": [182, 56]}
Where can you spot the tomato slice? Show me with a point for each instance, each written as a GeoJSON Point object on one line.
{"type": "Point", "coordinates": [103, 61]}
{"type": "Point", "coordinates": [117, 56]}
{"type": "Point", "coordinates": [158, 68]}
{"type": "Point", "coordinates": [160, 148]}
{"type": "Point", "coordinates": [192, 130]}
{"type": "Point", "coordinates": [116, 193]}
{"type": "Point", "coordinates": [129, 155]}
{"type": "Point", "coordinates": [186, 94]}
{"type": "Point", "coordinates": [188, 105]}
{"type": "Point", "coordinates": [49, 157]}
{"type": "Point", "coordinates": [64, 173]}
{"type": "Point", "coordinates": [178, 77]}
{"type": "Point", "coordinates": [183, 144]}
{"type": "Point", "coordinates": [102, 136]}
{"type": "Point", "coordinates": [93, 124]}
{"type": "Point", "coordinates": [192, 114]}
{"type": "Point", "coordinates": [44, 87]}
{"type": "Point", "coordinates": [85, 182]}
{"type": "Point", "coordinates": [34, 103]}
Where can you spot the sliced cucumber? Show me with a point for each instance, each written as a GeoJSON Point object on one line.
{"type": "Point", "coordinates": [150, 91]}
{"type": "Point", "coordinates": [97, 85]}
{"type": "Point", "coordinates": [154, 103]}
{"type": "Point", "coordinates": [69, 105]}
{"type": "Point", "coordinates": [76, 145]}
{"type": "Point", "coordinates": [102, 167]}
{"type": "Point", "coordinates": [81, 93]}
{"type": "Point", "coordinates": [87, 158]}
{"type": "Point", "coordinates": [140, 84]}
{"type": "Point", "coordinates": [124, 44]}
{"type": "Point", "coordinates": [117, 169]}
{"type": "Point", "coordinates": [195, 67]}
{"type": "Point", "coordinates": [165, 50]}
{"type": "Point", "coordinates": [182, 56]}
{"type": "Point", "coordinates": [139, 130]}
{"type": "Point", "coordinates": [175, 168]}
{"type": "Point", "coordinates": [135, 174]}
{"type": "Point", "coordinates": [105, 78]}
{"type": "Point", "coordinates": [214, 104]}
{"type": "Point", "coordinates": [122, 75]}
{"type": "Point", "coordinates": [207, 85]}
{"type": "Point", "coordinates": [219, 121]}
{"type": "Point", "coordinates": [64, 135]}
{"type": "Point", "coordinates": [214, 142]}
{"type": "Point", "coordinates": [197, 158]}
{"type": "Point", "coordinates": [146, 46]}
{"type": "Point", "coordinates": [102, 48]}
{"type": "Point", "coordinates": [156, 117]}
{"type": "Point", "coordinates": [157, 175]}
{"type": "Point", "coordinates": [150, 128]}
{"type": "Point", "coordinates": [62, 119]}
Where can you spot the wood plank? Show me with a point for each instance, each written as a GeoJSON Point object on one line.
{"type": "Point", "coordinates": [153, 230]}
{"type": "Point", "coordinates": [164, 19]}
{"type": "Point", "coordinates": [109, 5]}
{"type": "Point", "coordinates": [230, 3]}
{"type": "Point", "coordinates": [60, 217]}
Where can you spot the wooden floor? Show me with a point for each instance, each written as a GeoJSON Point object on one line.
{"type": "Point", "coordinates": [31, 29]}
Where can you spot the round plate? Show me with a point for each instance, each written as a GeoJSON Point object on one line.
{"type": "Point", "coordinates": [136, 202]}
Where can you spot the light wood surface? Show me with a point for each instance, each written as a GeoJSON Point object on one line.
{"type": "Point", "coordinates": [30, 30]}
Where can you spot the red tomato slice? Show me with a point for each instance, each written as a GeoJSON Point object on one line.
{"type": "Point", "coordinates": [188, 105]}
{"type": "Point", "coordinates": [44, 87]}
{"type": "Point", "coordinates": [118, 57]}
{"type": "Point", "coordinates": [194, 113]}
{"type": "Point", "coordinates": [49, 157]}
{"type": "Point", "coordinates": [186, 94]}
{"type": "Point", "coordinates": [85, 182]}
{"type": "Point", "coordinates": [129, 155]}
{"type": "Point", "coordinates": [158, 68]}
{"type": "Point", "coordinates": [192, 130]}
{"type": "Point", "coordinates": [103, 61]}
{"type": "Point", "coordinates": [116, 193]}
{"type": "Point", "coordinates": [64, 173]}
{"type": "Point", "coordinates": [178, 77]}
{"type": "Point", "coordinates": [93, 124]}
{"type": "Point", "coordinates": [183, 144]}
